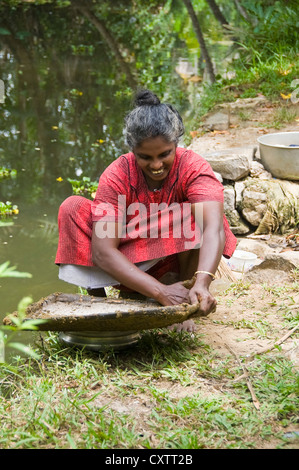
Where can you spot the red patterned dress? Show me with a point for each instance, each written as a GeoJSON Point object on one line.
{"type": "Point", "coordinates": [123, 196]}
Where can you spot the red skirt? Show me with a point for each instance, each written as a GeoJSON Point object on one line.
{"type": "Point", "coordinates": [75, 230]}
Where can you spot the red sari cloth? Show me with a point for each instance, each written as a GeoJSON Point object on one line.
{"type": "Point", "coordinates": [121, 192]}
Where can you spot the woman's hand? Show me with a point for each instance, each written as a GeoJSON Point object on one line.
{"type": "Point", "coordinates": [174, 294]}
{"type": "Point", "coordinates": [200, 293]}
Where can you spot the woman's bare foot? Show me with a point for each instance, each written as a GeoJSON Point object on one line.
{"type": "Point", "coordinates": [187, 325]}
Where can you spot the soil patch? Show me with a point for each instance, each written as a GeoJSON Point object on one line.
{"type": "Point", "coordinates": [251, 320]}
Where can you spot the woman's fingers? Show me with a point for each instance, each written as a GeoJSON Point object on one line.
{"type": "Point", "coordinates": [204, 298]}
{"type": "Point", "coordinates": [177, 294]}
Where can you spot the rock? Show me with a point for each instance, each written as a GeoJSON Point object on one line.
{"type": "Point", "coordinates": [218, 176]}
{"type": "Point", "coordinates": [218, 121]}
{"type": "Point", "coordinates": [257, 170]}
{"type": "Point", "coordinates": [237, 226]}
{"type": "Point", "coordinates": [241, 103]}
{"type": "Point", "coordinates": [229, 198]}
{"type": "Point", "coordinates": [253, 206]}
{"type": "Point", "coordinates": [239, 188]}
{"type": "Point", "coordinates": [277, 261]}
{"type": "Point", "coordinates": [268, 276]}
{"type": "Point", "coordinates": [270, 205]}
{"type": "Point", "coordinates": [259, 248]}
{"type": "Point", "coordinates": [292, 256]}
{"type": "Point", "coordinates": [275, 269]}
{"type": "Point", "coordinates": [232, 164]}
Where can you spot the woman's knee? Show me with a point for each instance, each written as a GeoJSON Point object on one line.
{"type": "Point", "coordinates": [72, 204]}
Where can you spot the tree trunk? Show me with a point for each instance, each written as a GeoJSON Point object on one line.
{"type": "Point", "coordinates": [243, 12]}
{"type": "Point", "coordinates": [31, 78]}
{"type": "Point", "coordinates": [109, 39]}
{"type": "Point", "coordinates": [200, 38]}
{"type": "Point", "coordinates": [217, 12]}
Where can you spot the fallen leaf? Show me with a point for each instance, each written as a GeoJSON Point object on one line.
{"type": "Point", "coordinates": [195, 79]}
{"type": "Point", "coordinates": [218, 132]}
{"type": "Point", "coordinates": [193, 134]}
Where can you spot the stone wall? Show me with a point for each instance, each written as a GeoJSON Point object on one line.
{"type": "Point", "coordinates": [254, 201]}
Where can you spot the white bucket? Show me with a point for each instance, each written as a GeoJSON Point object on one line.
{"type": "Point", "coordinates": [242, 261]}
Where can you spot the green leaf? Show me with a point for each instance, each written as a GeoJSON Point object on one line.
{"type": "Point", "coordinates": [15, 274]}
{"type": "Point", "coordinates": [71, 441]}
{"type": "Point", "coordinates": [4, 31]}
{"type": "Point", "coordinates": [23, 304]}
{"type": "Point", "coordinates": [9, 271]}
{"type": "Point", "coordinates": [32, 324]}
{"type": "Point", "coordinates": [22, 34]}
{"type": "Point", "coordinates": [5, 224]}
{"type": "Point", "coordinates": [3, 267]}
{"type": "Point", "coordinates": [24, 349]}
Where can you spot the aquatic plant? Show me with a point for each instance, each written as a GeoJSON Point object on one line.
{"type": "Point", "coordinates": [84, 186]}
{"type": "Point", "coordinates": [7, 173]}
{"type": "Point", "coordinates": [7, 208]}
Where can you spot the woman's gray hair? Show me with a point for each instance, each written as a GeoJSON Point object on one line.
{"type": "Point", "coordinates": [150, 118]}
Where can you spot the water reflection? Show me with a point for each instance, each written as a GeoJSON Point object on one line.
{"type": "Point", "coordinates": [62, 118]}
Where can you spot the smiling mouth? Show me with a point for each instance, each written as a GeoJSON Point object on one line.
{"type": "Point", "coordinates": [158, 172]}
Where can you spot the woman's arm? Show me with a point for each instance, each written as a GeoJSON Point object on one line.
{"type": "Point", "coordinates": [106, 255]}
{"type": "Point", "coordinates": [209, 216]}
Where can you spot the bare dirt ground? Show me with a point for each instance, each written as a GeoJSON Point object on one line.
{"type": "Point", "coordinates": [250, 320]}
{"type": "Point", "coordinates": [246, 123]}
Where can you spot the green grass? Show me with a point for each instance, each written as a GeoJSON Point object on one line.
{"type": "Point", "coordinates": [273, 77]}
{"type": "Point", "coordinates": [171, 391]}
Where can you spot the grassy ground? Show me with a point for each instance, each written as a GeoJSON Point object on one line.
{"type": "Point", "coordinates": [216, 389]}
{"type": "Point", "coordinates": [275, 78]}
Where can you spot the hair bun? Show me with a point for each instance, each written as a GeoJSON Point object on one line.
{"type": "Point", "coordinates": [146, 98]}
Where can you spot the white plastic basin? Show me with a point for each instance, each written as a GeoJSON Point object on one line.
{"type": "Point", "coordinates": [280, 154]}
{"type": "Point", "coordinates": [242, 261]}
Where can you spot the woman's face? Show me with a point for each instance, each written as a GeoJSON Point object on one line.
{"type": "Point", "coordinates": [155, 157]}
